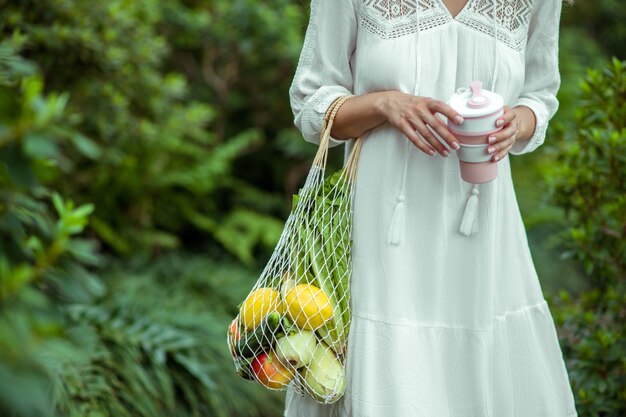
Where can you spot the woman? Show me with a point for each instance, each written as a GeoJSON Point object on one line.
{"type": "Point", "coordinates": [444, 323]}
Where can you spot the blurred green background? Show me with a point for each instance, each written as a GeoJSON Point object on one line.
{"type": "Point", "coordinates": [147, 164]}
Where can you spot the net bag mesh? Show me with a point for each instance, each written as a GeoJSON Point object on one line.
{"type": "Point", "coordinates": [293, 326]}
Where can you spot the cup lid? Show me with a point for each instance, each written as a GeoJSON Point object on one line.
{"type": "Point", "coordinates": [475, 101]}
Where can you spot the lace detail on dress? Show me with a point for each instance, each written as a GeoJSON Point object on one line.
{"type": "Point", "coordinates": [513, 20]}
{"type": "Point", "coordinates": [395, 18]}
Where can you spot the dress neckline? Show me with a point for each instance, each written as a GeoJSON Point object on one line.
{"type": "Point", "coordinates": [447, 11]}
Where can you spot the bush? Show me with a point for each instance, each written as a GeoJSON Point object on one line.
{"type": "Point", "coordinates": [157, 344]}
{"type": "Point", "coordinates": [45, 263]}
{"type": "Point", "coordinates": [589, 179]}
{"type": "Point", "coordinates": [589, 183]}
{"type": "Point", "coordinates": [94, 108]}
{"type": "Point", "coordinates": [150, 158]}
{"type": "Point", "coordinates": [591, 329]}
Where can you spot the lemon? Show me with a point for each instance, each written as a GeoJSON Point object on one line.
{"type": "Point", "coordinates": [308, 306]}
{"type": "Point", "coordinates": [258, 305]}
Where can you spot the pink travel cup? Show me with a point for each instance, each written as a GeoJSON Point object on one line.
{"type": "Point", "coordinates": [480, 109]}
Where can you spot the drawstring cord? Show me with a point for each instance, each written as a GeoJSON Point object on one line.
{"type": "Point", "coordinates": [469, 221]}
{"type": "Point", "coordinates": [495, 45]}
{"type": "Point", "coordinates": [397, 219]}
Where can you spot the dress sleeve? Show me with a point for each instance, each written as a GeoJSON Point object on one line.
{"type": "Point", "coordinates": [323, 73]}
{"type": "Point", "coordinates": [542, 79]}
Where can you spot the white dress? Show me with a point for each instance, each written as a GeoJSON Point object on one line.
{"type": "Point", "coordinates": [443, 324]}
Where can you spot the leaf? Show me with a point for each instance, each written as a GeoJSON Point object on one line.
{"type": "Point", "coordinates": [18, 166]}
{"type": "Point", "coordinates": [40, 146]}
{"type": "Point", "coordinates": [85, 251]}
{"type": "Point", "coordinates": [58, 204]}
{"type": "Point", "coordinates": [86, 146]}
{"type": "Point", "coordinates": [242, 230]}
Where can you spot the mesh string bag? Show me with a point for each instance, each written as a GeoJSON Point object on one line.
{"type": "Point", "coordinates": [292, 328]}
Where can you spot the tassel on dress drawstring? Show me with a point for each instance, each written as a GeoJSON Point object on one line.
{"type": "Point", "coordinates": [469, 220]}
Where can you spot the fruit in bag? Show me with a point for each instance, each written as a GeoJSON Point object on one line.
{"type": "Point", "coordinates": [233, 335]}
{"type": "Point", "coordinates": [260, 339]}
{"type": "Point", "coordinates": [258, 305]}
{"type": "Point", "coordinates": [296, 349]}
{"type": "Point", "coordinates": [270, 372]}
{"type": "Point", "coordinates": [325, 375]}
{"type": "Point", "coordinates": [308, 306]}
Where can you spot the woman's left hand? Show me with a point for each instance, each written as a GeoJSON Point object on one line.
{"type": "Point", "coordinates": [512, 122]}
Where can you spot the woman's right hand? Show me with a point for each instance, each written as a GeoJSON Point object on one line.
{"type": "Point", "coordinates": [413, 114]}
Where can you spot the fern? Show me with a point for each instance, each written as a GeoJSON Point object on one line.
{"type": "Point", "coordinates": [156, 346]}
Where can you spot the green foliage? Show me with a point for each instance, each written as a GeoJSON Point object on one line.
{"type": "Point", "coordinates": [156, 164]}
{"type": "Point", "coordinates": [155, 349]}
{"type": "Point", "coordinates": [592, 329]}
{"type": "Point", "coordinates": [602, 20]}
{"type": "Point", "coordinates": [43, 262]}
{"type": "Point", "coordinates": [243, 60]}
{"type": "Point", "coordinates": [151, 347]}
{"type": "Point", "coordinates": [589, 179]}
{"type": "Point", "coordinates": [69, 345]}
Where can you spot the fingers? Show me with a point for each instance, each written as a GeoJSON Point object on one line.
{"type": "Point", "coordinates": [421, 125]}
{"type": "Point", "coordinates": [501, 148]}
{"type": "Point", "coordinates": [505, 133]}
{"type": "Point", "coordinates": [503, 152]}
{"type": "Point", "coordinates": [409, 131]}
{"type": "Point", "coordinates": [449, 112]}
{"type": "Point", "coordinates": [423, 130]}
{"type": "Point", "coordinates": [442, 130]}
{"type": "Point", "coordinates": [502, 141]}
{"type": "Point", "coordinates": [507, 117]}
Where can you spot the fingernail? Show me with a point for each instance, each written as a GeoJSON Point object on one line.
{"type": "Point", "coordinates": [491, 149]}
{"type": "Point", "coordinates": [492, 139]}
{"type": "Point", "coordinates": [446, 153]}
{"type": "Point", "coordinates": [496, 158]}
{"type": "Point", "coordinates": [499, 122]}
{"type": "Point", "coordinates": [431, 152]}
{"type": "Point", "coordinates": [455, 145]}
{"type": "Point", "coordinates": [458, 120]}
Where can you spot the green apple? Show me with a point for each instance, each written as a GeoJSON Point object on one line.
{"type": "Point", "coordinates": [325, 376]}
{"type": "Point", "coordinates": [296, 349]}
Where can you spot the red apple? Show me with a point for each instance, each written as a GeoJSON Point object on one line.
{"type": "Point", "coordinates": [270, 372]}
{"type": "Point", "coordinates": [233, 335]}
